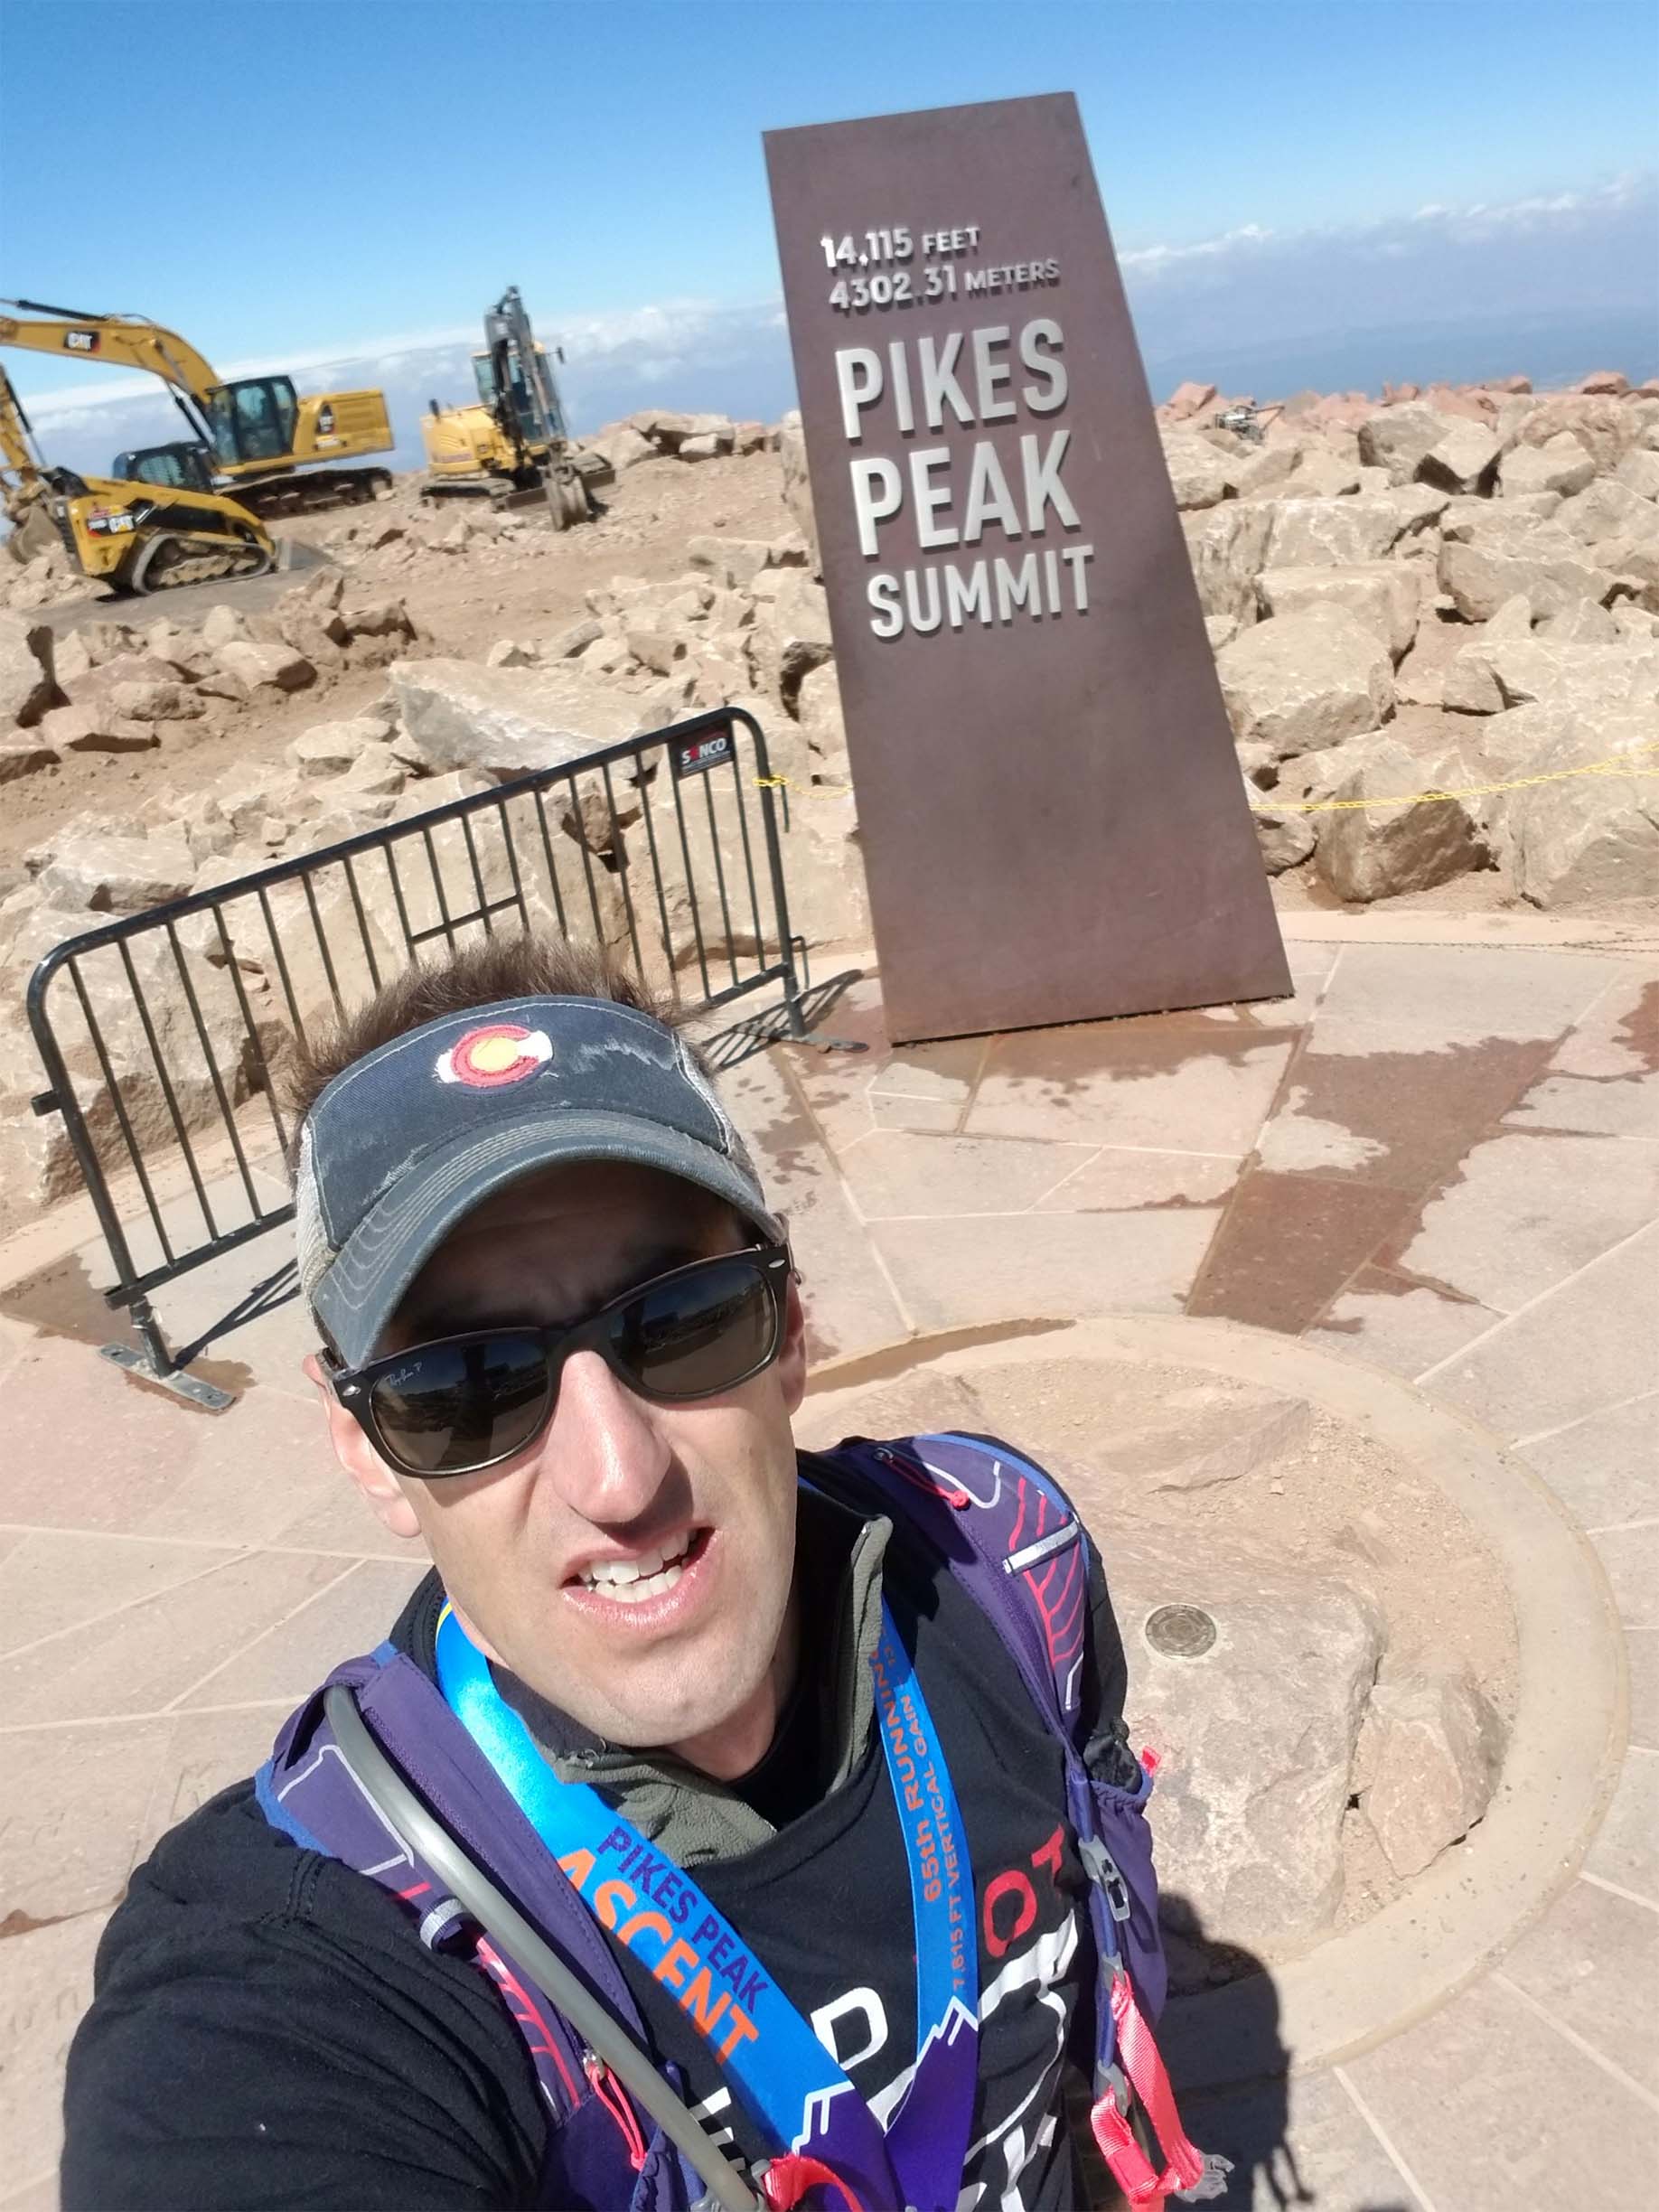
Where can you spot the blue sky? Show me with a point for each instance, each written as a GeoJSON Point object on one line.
{"type": "Point", "coordinates": [305, 181]}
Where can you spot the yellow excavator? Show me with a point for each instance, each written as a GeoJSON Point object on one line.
{"type": "Point", "coordinates": [514, 441]}
{"type": "Point", "coordinates": [254, 437]}
{"type": "Point", "coordinates": [129, 536]}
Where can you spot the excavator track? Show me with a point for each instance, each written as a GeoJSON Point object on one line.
{"type": "Point", "coordinates": [177, 557]}
{"type": "Point", "coordinates": [316, 488]}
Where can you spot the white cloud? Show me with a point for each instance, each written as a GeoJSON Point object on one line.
{"type": "Point", "coordinates": [1472, 221]}
{"type": "Point", "coordinates": [1152, 258]}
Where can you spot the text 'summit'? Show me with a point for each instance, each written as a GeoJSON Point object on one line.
{"type": "Point", "coordinates": [955, 495]}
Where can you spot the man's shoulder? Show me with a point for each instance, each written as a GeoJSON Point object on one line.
{"type": "Point", "coordinates": [225, 1856]}
{"type": "Point", "coordinates": [225, 1867]}
{"type": "Point", "coordinates": [352, 2040]}
{"type": "Point", "coordinates": [226, 1864]}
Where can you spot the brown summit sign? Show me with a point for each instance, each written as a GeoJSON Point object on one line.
{"type": "Point", "coordinates": [1052, 821]}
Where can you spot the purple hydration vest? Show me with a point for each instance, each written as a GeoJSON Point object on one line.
{"type": "Point", "coordinates": [1010, 1537]}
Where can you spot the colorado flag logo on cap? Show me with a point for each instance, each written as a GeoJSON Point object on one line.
{"type": "Point", "coordinates": [500, 1053]}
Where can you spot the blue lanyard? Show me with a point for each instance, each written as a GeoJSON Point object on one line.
{"type": "Point", "coordinates": [789, 2081]}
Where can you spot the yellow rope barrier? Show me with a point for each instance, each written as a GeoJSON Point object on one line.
{"type": "Point", "coordinates": [1624, 764]}
{"type": "Point", "coordinates": [1620, 764]}
{"type": "Point", "coordinates": [801, 791]}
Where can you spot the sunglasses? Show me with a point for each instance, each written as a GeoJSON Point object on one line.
{"type": "Point", "coordinates": [463, 1404]}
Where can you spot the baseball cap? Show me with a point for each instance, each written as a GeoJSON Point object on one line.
{"type": "Point", "coordinates": [405, 1142]}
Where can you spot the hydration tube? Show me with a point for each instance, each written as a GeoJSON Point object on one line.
{"type": "Point", "coordinates": [502, 1922]}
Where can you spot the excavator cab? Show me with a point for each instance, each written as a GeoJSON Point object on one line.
{"type": "Point", "coordinates": [486, 370]}
{"type": "Point", "coordinates": [253, 420]}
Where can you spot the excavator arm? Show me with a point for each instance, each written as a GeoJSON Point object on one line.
{"type": "Point", "coordinates": [126, 341]}
{"type": "Point", "coordinates": [257, 431]}
{"type": "Point", "coordinates": [17, 454]}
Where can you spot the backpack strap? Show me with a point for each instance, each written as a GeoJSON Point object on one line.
{"type": "Point", "coordinates": [597, 2151]}
{"type": "Point", "coordinates": [1008, 1534]}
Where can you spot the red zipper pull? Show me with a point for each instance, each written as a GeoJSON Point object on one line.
{"type": "Point", "coordinates": [925, 1478]}
{"type": "Point", "coordinates": [610, 2094]}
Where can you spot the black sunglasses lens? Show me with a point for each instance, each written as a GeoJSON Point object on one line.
{"type": "Point", "coordinates": [702, 1334]}
{"type": "Point", "coordinates": [446, 1408]}
{"type": "Point", "coordinates": [449, 1407]}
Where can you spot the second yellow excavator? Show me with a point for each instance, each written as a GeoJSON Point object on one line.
{"type": "Point", "coordinates": [513, 443]}
{"type": "Point", "coordinates": [255, 437]}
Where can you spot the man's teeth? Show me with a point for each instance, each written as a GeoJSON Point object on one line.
{"type": "Point", "coordinates": [651, 1575]}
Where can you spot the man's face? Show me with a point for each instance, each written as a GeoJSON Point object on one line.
{"type": "Point", "coordinates": [614, 1479]}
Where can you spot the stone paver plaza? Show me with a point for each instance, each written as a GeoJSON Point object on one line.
{"type": "Point", "coordinates": [1441, 1158]}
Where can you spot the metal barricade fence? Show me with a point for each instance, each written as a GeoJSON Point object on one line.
{"type": "Point", "coordinates": [162, 1035]}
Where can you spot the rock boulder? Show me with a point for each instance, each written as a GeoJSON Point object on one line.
{"type": "Point", "coordinates": [1587, 679]}
{"type": "Point", "coordinates": [621, 447]}
{"type": "Point", "coordinates": [1607, 513]}
{"type": "Point", "coordinates": [1199, 474]}
{"type": "Point", "coordinates": [798, 485]}
{"type": "Point", "coordinates": [1382, 595]}
{"type": "Point", "coordinates": [791, 636]}
{"type": "Point", "coordinates": [333, 747]}
{"type": "Point", "coordinates": [1228, 548]}
{"type": "Point", "coordinates": [1380, 852]}
{"type": "Point", "coordinates": [1306, 680]}
{"type": "Point", "coordinates": [1258, 1734]}
{"type": "Point", "coordinates": [1397, 438]}
{"type": "Point", "coordinates": [120, 874]}
{"type": "Point", "coordinates": [731, 561]}
{"type": "Point", "coordinates": [1337, 532]}
{"type": "Point", "coordinates": [1592, 837]}
{"type": "Point", "coordinates": [1465, 460]}
{"type": "Point", "coordinates": [503, 722]}
{"type": "Point", "coordinates": [1559, 464]}
{"type": "Point", "coordinates": [24, 753]}
{"type": "Point", "coordinates": [28, 685]}
{"type": "Point", "coordinates": [1638, 472]}
{"type": "Point", "coordinates": [1199, 1445]}
{"type": "Point", "coordinates": [96, 724]}
{"type": "Point", "coordinates": [1427, 1761]}
{"type": "Point", "coordinates": [1188, 399]}
{"type": "Point", "coordinates": [1483, 566]}
{"type": "Point", "coordinates": [272, 667]}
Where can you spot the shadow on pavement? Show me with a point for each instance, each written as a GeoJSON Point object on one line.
{"type": "Point", "coordinates": [1250, 2122]}
{"type": "Point", "coordinates": [754, 1032]}
{"type": "Point", "coordinates": [266, 1297]}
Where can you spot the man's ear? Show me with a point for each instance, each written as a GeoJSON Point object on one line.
{"type": "Point", "coordinates": [379, 1485]}
{"type": "Point", "coordinates": [791, 1364]}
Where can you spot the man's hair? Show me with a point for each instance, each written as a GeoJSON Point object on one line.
{"type": "Point", "coordinates": [495, 968]}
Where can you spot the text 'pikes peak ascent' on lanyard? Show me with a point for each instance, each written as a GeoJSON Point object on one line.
{"type": "Point", "coordinates": [791, 2085]}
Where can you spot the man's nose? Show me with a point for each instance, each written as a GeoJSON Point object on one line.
{"type": "Point", "coordinates": [603, 1453]}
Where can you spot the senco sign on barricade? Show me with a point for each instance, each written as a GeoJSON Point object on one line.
{"type": "Point", "coordinates": [1053, 821]}
{"type": "Point", "coordinates": [163, 1035]}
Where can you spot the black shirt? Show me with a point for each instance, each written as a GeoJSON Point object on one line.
{"type": "Point", "coordinates": [268, 2031]}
